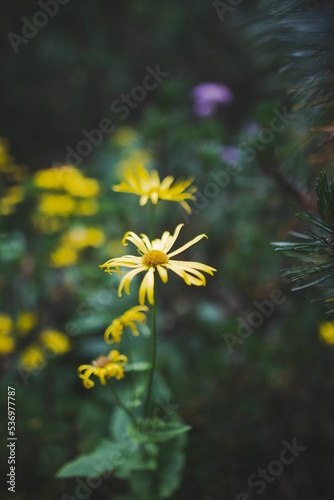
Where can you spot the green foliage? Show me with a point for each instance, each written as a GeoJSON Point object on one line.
{"type": "Point", "coordinates": [150, 456]}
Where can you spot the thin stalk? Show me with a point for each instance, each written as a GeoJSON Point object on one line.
{"type": "Point", "coordinates": [130, 357]}
{"type": "Point", "coordinates": [152, 220]}
{"type": "Point", "coordinates": [121, 405]}
{"type": "Point", "coordinates": [153, 357]}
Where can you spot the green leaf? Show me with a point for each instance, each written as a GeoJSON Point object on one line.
{"type": "Point", "coordinates": [106, 457]}
{"type": "Point", "coordinates": [170, 466]}
{"type": "Point", "coordinates": [157, 431]}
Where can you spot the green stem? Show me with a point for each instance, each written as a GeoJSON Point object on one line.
{"type": "Point", "coordinates": [121, 405]}
{"type": "Point", "coordinates": [152, 220]}
{"type": "Point", "coordinates": [154, 355]}
{"type": "Point", "coordinates": [130, 357]}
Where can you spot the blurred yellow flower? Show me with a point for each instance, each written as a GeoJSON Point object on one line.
{"type": "Point", "coordinates": [155, 256]}
{"type": "Point", "coordinates": [48, 224]}
{"type": "Point", "coordinates": [32, 358]}
{"type": "Point", "coordinates": [49, 178]}
{"type": "Point", "coordinates": [6, 324]}
{"type": "Point", "coordinates": [7, 345]}
{"type": "Point", "coordinates": [87, 207]}
{"type": "Point", "coordinates": [56, 204]}
{"type": "Point", "coordinates": [26, 321]}
{"type": "Point", "coordinates": [63, 256]}
{"type": "Point", "coordinates": [129, 318]}
{"type": "Point", "coordinates": [82, 187]}
{"type": "Point", "coordinates": [148, 186]}
{"type": "Point", "coordinates": [81, 237]}
{"type": "Point", "coordinates": [326, 331]}
{"type": "Point", "coordinates": [55, 341]}
{"type": "Point", "coordinates": [124, 136]}
{"type": "Point", "coordinates": [6, 206]}
{"type": "Point", "coordinates": [15, 194]}
{"type": "Point", "coordinates": [104, 368]}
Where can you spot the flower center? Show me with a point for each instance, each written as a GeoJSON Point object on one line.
{"type": "Point", "coordinates": [101, 361]}
{"type": "Point", "coordinates": [154, 258]}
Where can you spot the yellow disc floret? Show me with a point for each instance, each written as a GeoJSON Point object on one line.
{"type": "Point", "coordinates": [155, 258]}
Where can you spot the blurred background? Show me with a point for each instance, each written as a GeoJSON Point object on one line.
{"type": "Point", "coordinates": [238, 96]}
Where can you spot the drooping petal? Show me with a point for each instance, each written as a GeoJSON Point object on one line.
{"type": "Point", "coordinates": [126, 280]}
{"type": "Point", "coordinates": [163, 273]}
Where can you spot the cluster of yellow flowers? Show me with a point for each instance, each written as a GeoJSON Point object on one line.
{"type": "Point", "coordinates": [112, 365]}
{"type": "Point", "coordinates": [66, 192]}
{"type": "Point", "coordinates": [72, 242]}
{"type": "Point", "coordinates": [9, 329]}
{"type": "Point", "coordinates": [13, 176]}
{"type": "Point", "coordinates": [51, 343]}
{"type": "Point", "coordinates": [33, 356]}
{"type": "Point", "coordinates": [155, 257]}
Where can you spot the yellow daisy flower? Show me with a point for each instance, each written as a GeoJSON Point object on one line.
{"type": "Point", "coordinates": [154, 256]}
{"type": "Point", "coordinates": [129, 318]}
{"type": "Point", "coordinates": [326, 331]}
{"type": "Point", "coordinates": [148, 186]}
{"type": "Point", "coordinates": [103, 367]}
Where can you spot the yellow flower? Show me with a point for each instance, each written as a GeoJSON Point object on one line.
{"type": "Point", "coordinates": [103, 367]}
{"type": "Point", "coordinates": [56, 204]}
{"type": "Point", "coordinates": [64, 256]}
{"type": "Point", "coordinates": [81, 237]}
{"type": "Point", "coordinates": [156, 256]}
{"type": "Point", "coordinates": [6, 324]}
{"type": "Point", "coordinates": [148, 186]}
{"type": "Point", "coordinates": [129, 318]}
{"type": "Point", "coordinates": [82, 187]}
{"type": "Point", "coordinates": [6, 206]}
{"type": "Point", "coordinates": [32, 358]}
{"type": "Point", "coordinates": [7, 345]}
{"type": "Point", "coordinates": [55, 341]}
{"type": "Point", "coordinates": [124, 136]}
{"type": "Point", "coordinates": [15, 194]}
{"type": "Point", "coordinates": [25, 322]}
{"type": "Point", "coordinates": [326, 331]}
{"type": "Point", "coordinates": [49, 178]}
{"type": "Point", "coordinates": [87, 207]}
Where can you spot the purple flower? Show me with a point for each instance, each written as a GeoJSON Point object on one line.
{"type": "Point", "coordinates": [252, 128]}
{"type": "Point", "coordinates": [230, 155]}
{"type": "Point", "coordinates": [208, 96]}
